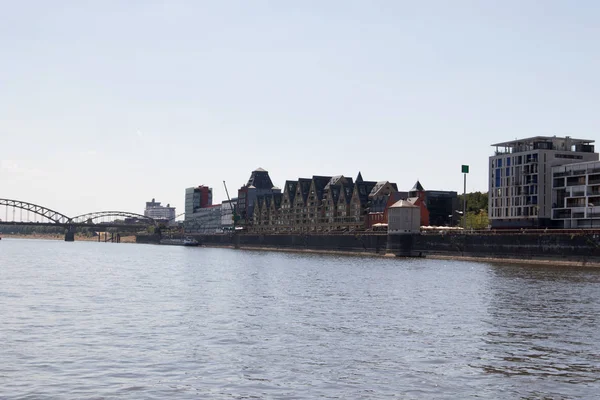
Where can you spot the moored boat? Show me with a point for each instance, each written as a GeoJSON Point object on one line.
{"type": "Point", "coordinates": [186, 241]}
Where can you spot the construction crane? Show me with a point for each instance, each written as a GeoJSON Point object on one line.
{"type": "Point", "coordinates": [236, 217]}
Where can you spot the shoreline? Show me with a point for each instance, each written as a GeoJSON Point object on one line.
{"type": "Point", "coordinates": [61, 237]}
{"type": "Point", "coordinates": [501, 260]}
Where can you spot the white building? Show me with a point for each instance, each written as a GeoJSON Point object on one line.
{"type": "Point", "coordinates": [520, 178]}
{"type": "Point", "coordinates": [205, 220]}
{"type": "Point", "coordinates": [160, 213]}
{"type": "Point", "coordinates": [576, 195]}
{"type": "Point", "coordinates": [404, 217]}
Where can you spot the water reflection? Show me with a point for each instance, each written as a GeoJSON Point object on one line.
{"type": "Point", "coordinates": [542, 323]}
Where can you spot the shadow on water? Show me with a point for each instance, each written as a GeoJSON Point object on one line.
{"type": "Point", "coordinates": [542, 327]}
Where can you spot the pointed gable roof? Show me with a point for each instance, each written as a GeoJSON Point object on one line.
{"type": "Point", "coordinates": [290, 189]}
{"type": "Point", "coordinates": [320, 183]}
{"type": "Point", "coordinates": [380, 186]}
{"type": "Point", "coordinates": [359, 178]}
{"type": "Point", "coordinates": [304, 184]}
{"type": "Point", "coordinates": [339, 180]}
{"type": "Point", "coordinates": [417, 188]}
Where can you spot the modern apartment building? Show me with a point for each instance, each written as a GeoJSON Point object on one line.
{"type": "Point", "coordinates": [160, 213]}
{"type": "Point", "coordinates": [197, 197]}
{"type": "Point", "coordinates": [576, 195]}
{"type": "Point", "coordinates": [520, 178]}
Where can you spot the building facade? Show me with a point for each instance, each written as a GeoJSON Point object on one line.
{"type": "Point", "coordinates": [404, 217]}
{"type": "Point", "coordinates": [520, 178]}
{"type": "Point", "coordinates": [196, 198]}
{"type": "Point", "coordinates": [160, 213]}
{"type": "Point", "coordinates": [576, 195]}
{"type": "Point", "coordinates": [259, 184]}
{"type": "Point", "coordinates": [201, 216]}
{"type": "Point", "coordinates": [227, 209]}
{"type": "Point", "coordinates": [206, 220]}
{"type": "Point", "coordinates": [319, 204]}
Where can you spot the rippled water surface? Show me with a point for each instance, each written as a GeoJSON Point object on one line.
{"type": "Point", "coordinates": [99, 320]}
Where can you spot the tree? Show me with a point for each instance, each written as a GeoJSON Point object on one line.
{"type": "Point", "coordinates": [476, 201]}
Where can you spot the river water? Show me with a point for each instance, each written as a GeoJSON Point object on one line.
{"type": "Point", "coordinates": [101, 320]}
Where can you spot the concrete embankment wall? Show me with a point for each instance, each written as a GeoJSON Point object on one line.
{"type": "Point", "coordinates": [349, 243]}
{"type": "Point", "coordinates": [578, 247]}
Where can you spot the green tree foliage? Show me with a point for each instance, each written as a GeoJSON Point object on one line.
{"type": "Point", "coordinates": [477, 220]}
{"type": "Point", "coordinates": [477, 206]}
{"type": "Point", "coordinates": [476, 201]}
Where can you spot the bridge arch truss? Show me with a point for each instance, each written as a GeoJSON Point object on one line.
{"type": "Point", "coordinates": [51, 215]}
{"type": "Point", "coordinates": [92, 218]}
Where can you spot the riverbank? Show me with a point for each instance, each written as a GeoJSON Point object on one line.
{"type": "Point", "coordinates": [495, 260]}
{"type": "Point", "coordinates": [537, 248]}
{"type": "Point", "coordinates": [78, 238]}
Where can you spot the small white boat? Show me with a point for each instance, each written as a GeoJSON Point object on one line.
{"type": "Point", "coordinates": [187, 241]}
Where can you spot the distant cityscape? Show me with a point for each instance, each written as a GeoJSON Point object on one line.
{"type": "Point", "coordinates": [536, 182]}
{"type": "Point", "coordinates": [317, 204]}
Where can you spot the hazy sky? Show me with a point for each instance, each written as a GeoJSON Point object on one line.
{"type": "Point", "coordinates": [107, 104]}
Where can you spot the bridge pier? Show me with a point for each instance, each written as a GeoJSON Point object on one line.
{"type": "Point", "coordinates": [70, 234]}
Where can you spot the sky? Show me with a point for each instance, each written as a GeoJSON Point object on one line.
{"type": "Point", "coordinates": [105, 105]}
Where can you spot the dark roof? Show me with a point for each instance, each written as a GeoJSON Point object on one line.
{"type": "Point", "coordinates": [260, 179]}
{"type": "Point", "coordinates": [378, 203]}
{"type": "Point", "coordinates": [290, 188]}
{"type": "Point", "coordinates": [320, 183]}
{"type": "Point", "coordinates": [304, 187]}
{"type": "Point", "coordinates": [339, 180]}
{"type": "Point", "coordinates": [277, 200]}
{"type": "Point", "coordinates": [397, 196]}
{"type": "Point", "coordinates": [417, 188]}
{"type": "Point", "coordinates": [268, 201]}
{"type": "Point", "coordinates": [364, 189]}
{"type": "Point", "coordinates": [359, 178]}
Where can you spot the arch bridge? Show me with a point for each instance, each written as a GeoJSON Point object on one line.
{"type": "Point", "coordinates": [49, 217]}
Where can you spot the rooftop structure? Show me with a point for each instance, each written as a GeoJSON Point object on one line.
{"type": "Point", "coordinates": [158, 212]}
{"type": "Point", "coordinates": [545, 143]}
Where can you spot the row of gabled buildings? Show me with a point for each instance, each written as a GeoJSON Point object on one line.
{"type": "Point", "coordinates": [320, 203]}
{"type": "Point", "coordinates": [329, 204]}
{"type": "Point", "coordinates": [317, 204]}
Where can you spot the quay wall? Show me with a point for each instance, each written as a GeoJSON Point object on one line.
{"type": "Point", "coordinates": [575, 247]}
{"type": "Point", "coordinates": [349, 243]}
